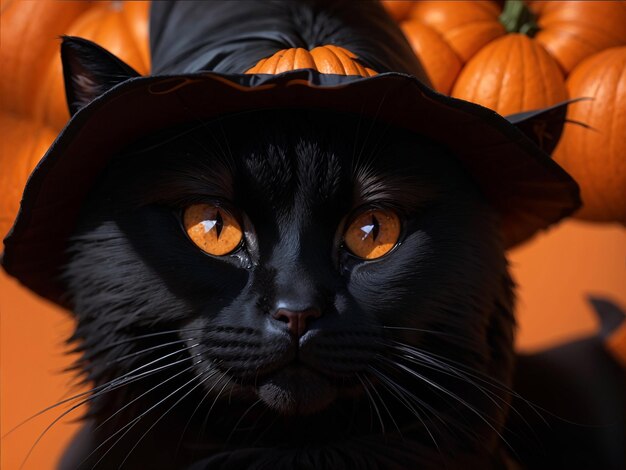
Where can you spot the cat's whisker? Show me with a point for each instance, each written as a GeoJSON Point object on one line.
{"type": "Point", "coordinates": [371, 399]}
{"type": "Point", "coordinates": [451, 363]}
{"type": "Point", "coordinates": [88, 368]}
{"type": "Point", "coordinates": [240, 420]}
{"type": "Point", "coordinates": [425, 363]}
{"type": "Point", "coordinates": [464, 339]}
{"type": "Point", "coordinates": [460, 426]}
{"type": "Point", "coordinates": [372, 154]}
{"type": "Point", "coordinates": [471, 372]}
{"type": "Point", "coordinates": [254, 425]}
{"type": "Point", "coordinates": [382, 402]}
{"type": "Point", "coordinates": [160, 143]}
{"type": "Point", "coordinates": [466, 428]}
{"type": "Point", "coordinates": [193, 413]}
{"type": "Point", "coordinates": [369, 403]}
{"type": "Point", "coordinates": [404, 393]}
{"type": "Point", "coordinates": [143, 351]}
{"type": "Point", "coordinates": [113, 384]}
{"type": "Point", "coordinates": [439, 366]}
{"type": "Point", "coordinates": [128, 426]}
{"type": "Point", "coordinates": [97, 351]}
{"type": "Point", "coordinates": [125, 380]}
{"type": "Point", "coordinates": [195, 387]}
{"type": "Point", "coordinates": [266, 430]}
{"type": "Point", "coordinates": [401, 394]}
{"type": "Point", "coordinates": [134, 400]}
{"type": "Point", "coordinates": [454, 396]}
{"type": "Point", "coordinates": [206, 417]}
{"type": "Point", "coordinates": [354, 161]}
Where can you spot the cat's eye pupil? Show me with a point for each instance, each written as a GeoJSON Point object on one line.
{"type": "Point", "coordinates": [376, 229]}
{"type": "Point", "coordinates": [219, 224]}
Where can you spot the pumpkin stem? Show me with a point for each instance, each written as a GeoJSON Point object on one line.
{"type": "Point", "coordinates": [516, 17]}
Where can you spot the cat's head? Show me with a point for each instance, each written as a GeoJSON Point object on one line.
{"type": "Point", "coordinates": [297, 258]}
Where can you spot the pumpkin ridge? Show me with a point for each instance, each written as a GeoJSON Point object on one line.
{"type": "Point", "coordinates": [443, 37]}
{"type": "Point", "coordinates": [523, 49]}
{"type": "Point", "coordinates": [274, 64]}
{"type": "Point", "coordinates": [326, 59]}
{"type": "Point", "coordinates": [341, 50]}
{"type": "Point", "coordinates": [258, 65]}
{"type": "Point", "coordinates": [474, 79]}
{"type": "Point", "coordinates": [604, 87]}
{"type": "Point", "coordinates": [338, 58]}
{"type": "Point", "coordinates": [621, 89]}
{"type": "Point", "coordinates": [287, 58]}
{"type": "Point", "coordinates": [462, 30]}
{"type": "Point", "coordinates": [621, 80]}
{"type": "Point", "coordinates": [542, 73]}
{"type": "Point", "coordinates": [588, 163]}
{"type": "Point", "coordinates": [351, 60]}
{"type": "Point", "coordinates": [321, 60]}
{"type": "Point", "coordinates": [302, 59]}
{"type": "Point", "coordinates": [503, 72]}
{"type": "Point", "coordinates": [342, 57]}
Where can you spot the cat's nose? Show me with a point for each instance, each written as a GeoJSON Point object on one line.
{"type": "Point", "coordinates": [297, 321]}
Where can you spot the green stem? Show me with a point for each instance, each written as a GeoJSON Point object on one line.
{"type": "Point", "coordinates": [516, 17]}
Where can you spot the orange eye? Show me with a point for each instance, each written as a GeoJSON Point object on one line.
{"type": "Point", "coordinates": [373, 233]}
{"type": "Point", "coordinates": [213, 229]}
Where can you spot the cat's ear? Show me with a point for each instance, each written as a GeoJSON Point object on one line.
{"type": "Point", "coordinates": [544, 126]}
{"type": "Point", "coordinates": [89, 70]}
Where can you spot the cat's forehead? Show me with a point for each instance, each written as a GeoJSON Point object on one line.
{"type": "Point", "coordinates": [293, 170]}
{"type": "Point", "coordinates": [275, 161]}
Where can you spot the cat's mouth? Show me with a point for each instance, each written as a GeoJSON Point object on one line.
{"type": "Point", "coordinates": [294, 377]}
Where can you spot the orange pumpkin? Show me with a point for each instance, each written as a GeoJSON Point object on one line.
{"type": "Point", "coordinates": [31, 85]}
{"type": "Point", "coordinates": [596, 157]}
{"type": "Point", "coordinates": [466, 26]}
{"type": "Point", "coordinates": [29, 33]}
{"type": "Point", "coordinates": [440, 62]}
{"type": "Point", "coordinates": [512, 74]}
{"type": "Point", "coordinates": [536, 6]}
{"type": "Point", "coordinates": [324, 59]}
{"type": "Point", "coordinates": [120, 27]}
{"type": "Point", "coordinates": [573, 30]}
{"type": "Point", "coordinates": [398, 9]}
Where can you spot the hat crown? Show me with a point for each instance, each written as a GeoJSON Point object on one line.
{"type": "Point", "coordinates": [193, 36]}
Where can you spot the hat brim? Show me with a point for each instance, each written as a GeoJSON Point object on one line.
{"type": "Point", "coordinates": [523, 184]}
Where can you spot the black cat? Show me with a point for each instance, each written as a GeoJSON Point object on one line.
{"type": "Point", "coordinates": [266, 276]}
{"type": "Point", "coordinates": [290, 350]}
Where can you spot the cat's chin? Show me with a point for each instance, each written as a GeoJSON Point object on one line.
{"type": "Point", "coordinates": [296, 390]}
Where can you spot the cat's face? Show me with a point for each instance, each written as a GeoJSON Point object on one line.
{"type": "Point", "coordinates": [290, 319]}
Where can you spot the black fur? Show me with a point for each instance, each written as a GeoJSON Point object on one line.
{"type": "Point", "coordinates": [406, 368]}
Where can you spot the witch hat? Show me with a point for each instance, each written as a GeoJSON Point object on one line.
{"type": "Point", "coordinates": [200, 53]}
